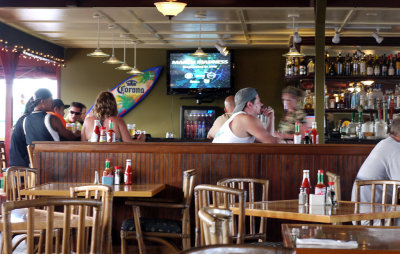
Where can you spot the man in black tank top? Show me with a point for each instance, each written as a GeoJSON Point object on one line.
{"type": "Point", "coordinates": [41, 126]}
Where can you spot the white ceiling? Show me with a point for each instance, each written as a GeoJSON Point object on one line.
{"type": "Point", "coordinates": [237, 27]}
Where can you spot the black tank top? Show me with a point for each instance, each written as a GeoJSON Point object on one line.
{"type": "Point", "coordinates": [38, 128]}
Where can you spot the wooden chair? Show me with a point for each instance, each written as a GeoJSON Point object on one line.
{"type": "Point", "coordinates": [257, 190]}
{"type": "Point", "coordinates": [3, 160]}
{"type": "Point", "coordinates": [238, 249]}
{"type": "Point", "coordinates": [161, 230]}
{"type": "Point", "coordinates": [104, 194]}
{"type": "Point", "coordinates": [220, 197]}
{"type": "Point", "coordinates": [19, 178]}
{"type": "Point", "coordinates": [215, 225]}
{"type": "Point", "coordinates": [378, 191]}
{"type": "Point", "coordinates": [50, 222]}
{"type": "Point", "coordinates": [332, 177]}
{"type": "Point", "coordinates": [30, 149]}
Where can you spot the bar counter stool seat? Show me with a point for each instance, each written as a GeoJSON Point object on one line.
{"type": "Point", "coordinates": [161, 230]}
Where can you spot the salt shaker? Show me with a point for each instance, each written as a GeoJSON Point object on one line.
{"type": "Point", "coordinates": [302, 197]}
{"type": "Point", "coordinates": [96, 177]}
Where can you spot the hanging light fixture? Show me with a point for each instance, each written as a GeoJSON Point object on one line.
{"type": "Point", "coordinates": [170, 8]}
{"type": "Point", "coordinates": [134, 70]}
{"type": "Point", "coordinates": [98, 52]}
{"type": "Point", "coordinates": [222, 49]}
{"type": "Point", "coordinates": [296, 38]}
{"type": "Point", "coordinates": [377, 37]}
{"type": "Point", "coordinates": [199, 52]}
{"type": "Point", "coordinates": [336, 37]}
{"type": "Point", "coordinates": [112, 59]}
{"type": "Point", "coordinates": [124, 66]}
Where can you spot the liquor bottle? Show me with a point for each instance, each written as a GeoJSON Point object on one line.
{"type": "Point", "coordinates": [288, 71]}
{"type": "Point", "coordinates": [303, 68]}
{"type": "Point", "coordinates": [347, 66]}
{"type": "Point", "coordinates": [96, 132]}
{"type": "Point", "coordinates": [332, 69]}
{"type": "Point", "coordinates": [391, 70]}
{"type": "Point", "coordinates": [320, 188]}
{"type": "Point", "coordinates": [128, 172]}
{"type": "Point", "coordinates": [102, 134]}
{"type": "Point", "coordinates": [110, 132]}
{"type": "Point", "coordinates": [195, 128]}
{"type": "Point", "coordinates": [297, 133]}
{"type": "Point", "coordinates": [326, 64]}
{"type": "Point", "coordinates": [314, 134]}
{"type": "Point", "coordinates": [308, 100]}
{"type": "Point", "coordinates": [398, 65]}
{"type": "Point", "coordinates": [363, 66]}
{"type": "Point", "coordinates": [355, 66]}
{"type": "Point", "coordinates": [397, 97]}
{"type": "Point", "coordinates": [370, 68]}
{"type": "Point", "coordinates": [296, 67]}
{"type": "Point", "coordinates": [187, 129]}
{"type": "Point", "coordinates": [384, 67]}
{"type": "Point", "coordinates": [339, 65]}
{"type": "Point", "coordinates": [305, 183]}
{"type": "Point", "coordinates": [191, 130]}
{"type": "Point", "coordinates": [310, 67]}
{"type": "Point", "coordinates": [377, 66]}
{"type": "Point", "coordinates": [332, 101]}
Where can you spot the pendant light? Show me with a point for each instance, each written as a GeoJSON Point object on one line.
{"type": "Point", "coordinates": [98, 52]}
{"type": "Point", "coordinates": [134, 70]}
{"type": "Point", "coordinates": [296, 37]}
{"type": "Point", "coordinates": [112, 59]}
{"type": "Point", "coordinates": [124, 66]}
{"type": "Point", "coordinates": [170, 8]}
{"type": "Point", "coordinates": [199, 52]}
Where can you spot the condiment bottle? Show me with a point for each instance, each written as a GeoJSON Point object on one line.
{"type": "Point", "coordinates": [128, 172]}
{"type": "Point", "coordinates": [102, 134]}
{"type": "Point", "coordinates": [108, 170]}
{"type": "Point", "coordinates": [96, 132]}
{"type": "Point", "coordinates": [305, 184]}
{"type": "Point", "coordinates": [117, 176]}
{"type": "Point", "coordinates": [333, 193]}
{"type": "Point", "coordinates": [314, 134]}
{"type": "Point", "coordinates": [297, 134]}
{"type": "Point", "coordinates": [302, 197]}
{"type": "Point", "coordinates": [110, 132]}
{"type": "Point", "coordinates": [320, 188]}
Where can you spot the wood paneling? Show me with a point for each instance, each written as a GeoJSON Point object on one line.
{"type": "Point", "coordinates": [165, 162]}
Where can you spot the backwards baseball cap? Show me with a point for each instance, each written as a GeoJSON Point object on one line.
{"type": "Point", "coordinates": [59, 103]}
{"type": "Point", "coordinates": [242, 97]}
{"type": "Point", "coordinates": [42, 94]}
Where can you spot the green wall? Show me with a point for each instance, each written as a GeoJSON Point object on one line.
{"type": "Point", "coordinates": [84, 77]}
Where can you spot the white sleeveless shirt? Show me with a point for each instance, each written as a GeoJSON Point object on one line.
{"type": "Point", "coordinates": [225, 134]}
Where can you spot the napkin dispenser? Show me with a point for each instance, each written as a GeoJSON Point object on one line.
{"type": "Point", "coordinates": [317, 199]}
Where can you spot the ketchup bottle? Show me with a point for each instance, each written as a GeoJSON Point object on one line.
{"type": "Point", "coordinates": [96, 132]}
{"type": "Point", "coordinates": [128, 172]}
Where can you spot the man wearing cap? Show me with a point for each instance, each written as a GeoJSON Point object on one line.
{"type": "Point", "coordinates": [41, 126]}
{"type": "Point", "coordinates": [229, 107]}
{"type": "Point", "coordinates": [244, 126]}
{"type": "Point", "coordinates": [58, 110]}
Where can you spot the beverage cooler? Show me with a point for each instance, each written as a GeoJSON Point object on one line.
{"type": "Point", "coordinates": [197, 120]}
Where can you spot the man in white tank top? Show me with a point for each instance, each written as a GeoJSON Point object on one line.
{"type": "Point", "coordinates": [244, 126]}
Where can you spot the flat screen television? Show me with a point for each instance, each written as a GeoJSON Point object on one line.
{"type": "Point", "coordinates": [187, 74]}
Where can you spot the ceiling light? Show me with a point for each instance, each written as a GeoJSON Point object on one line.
{"type": "Point", "coordinates": [124, 66]}
{"type": "Point", "coordinates": [336, 37]}
{"type": "Point", "coordinates": [170, 8]}
{"type": "Point", "coordinates": [222, 49]}
{"type": "Point", "coordinates": [377, 37]}
{"type": "Point", "coordinates": [293, 51]}
{"type": "Point", "coordinates": [112, 59]}
{"type": "Point", "coordinates": [199, 52]}
{"type": "Point", "coordinates": [98, 52]}
{"type": "Point", "coordinates": [297, 37]}
{"type": "Point", "coordinates": [134, 70]}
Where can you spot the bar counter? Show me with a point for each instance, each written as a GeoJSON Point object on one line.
{"type": "Point", "coordinates": [164, 163]}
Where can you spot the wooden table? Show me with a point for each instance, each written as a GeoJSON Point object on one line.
{"type": "Point", "coordinates": [345, 211]}
{"type": "Point", "coordinates": [63, 189]}
{"type": "Point", "coordinates": [370, 239]}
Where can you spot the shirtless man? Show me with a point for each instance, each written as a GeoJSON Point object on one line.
{"type": "Point", "coordinates": [244, 126]}
{"type": "Point", "coordinates": [229, 107]}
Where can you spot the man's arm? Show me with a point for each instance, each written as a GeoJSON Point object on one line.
{"type": "Point", "coordinates": [214, 129]}
{"type": "Point", "coordinates": [57, 125]}
{"type": "Point", "coordinates": [255, 128]}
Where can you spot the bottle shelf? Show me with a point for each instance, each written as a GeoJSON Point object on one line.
{"type": "Point", "coordinates": [345, 78]}
{"type": "Point", "coordinates": [346, 110]}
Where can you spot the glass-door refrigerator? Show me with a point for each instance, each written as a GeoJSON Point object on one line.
{"type": "Point", "coordinates": [196, 121]}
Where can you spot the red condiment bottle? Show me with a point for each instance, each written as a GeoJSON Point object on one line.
{"type": "Point", "coordinates": [128, 172]}
{"type": "Point", "coordinates": [306, 181]}
{"type": "Point", "coordinates": [110, 132]}
{"type": "Point", "coordinates": [314, 134]}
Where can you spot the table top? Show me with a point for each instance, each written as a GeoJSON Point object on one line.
{"type": "Point", "coordinates": [63, 189]}
{"type": "Point", "coordinates": [345, 211]}
{"type": "Point", "coordinates": [369, 238]}
{"type": "Point", "coordinates": [19, 218]}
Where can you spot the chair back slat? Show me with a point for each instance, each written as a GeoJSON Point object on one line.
{"type": "Point", "coordinates": [215, 225]}
{"type": "Point", "coordinates": [381, 191]}
{"type": "Point", "coordinates": [3, 160]}
{"type": "Point", "coordinates": [19, 178]}
{"type": "Point", "coordinates": [256, 190]}
{"type": "Point", "coordinates": [50, 219]}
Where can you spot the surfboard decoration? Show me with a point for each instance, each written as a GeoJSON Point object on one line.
{"type": "Point", "coordinates": [130, 92]}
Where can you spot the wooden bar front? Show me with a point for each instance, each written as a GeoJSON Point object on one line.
{"type": "Point", "coordinates": [165, 162]}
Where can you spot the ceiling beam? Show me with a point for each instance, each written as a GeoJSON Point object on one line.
{"type": "Point", "coordinates": [240, 14]}
{"type": "Point", "coordinates": [147, 27]}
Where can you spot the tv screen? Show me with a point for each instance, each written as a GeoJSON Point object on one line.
{"type": "Point", "coordinates": [190, 75]}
